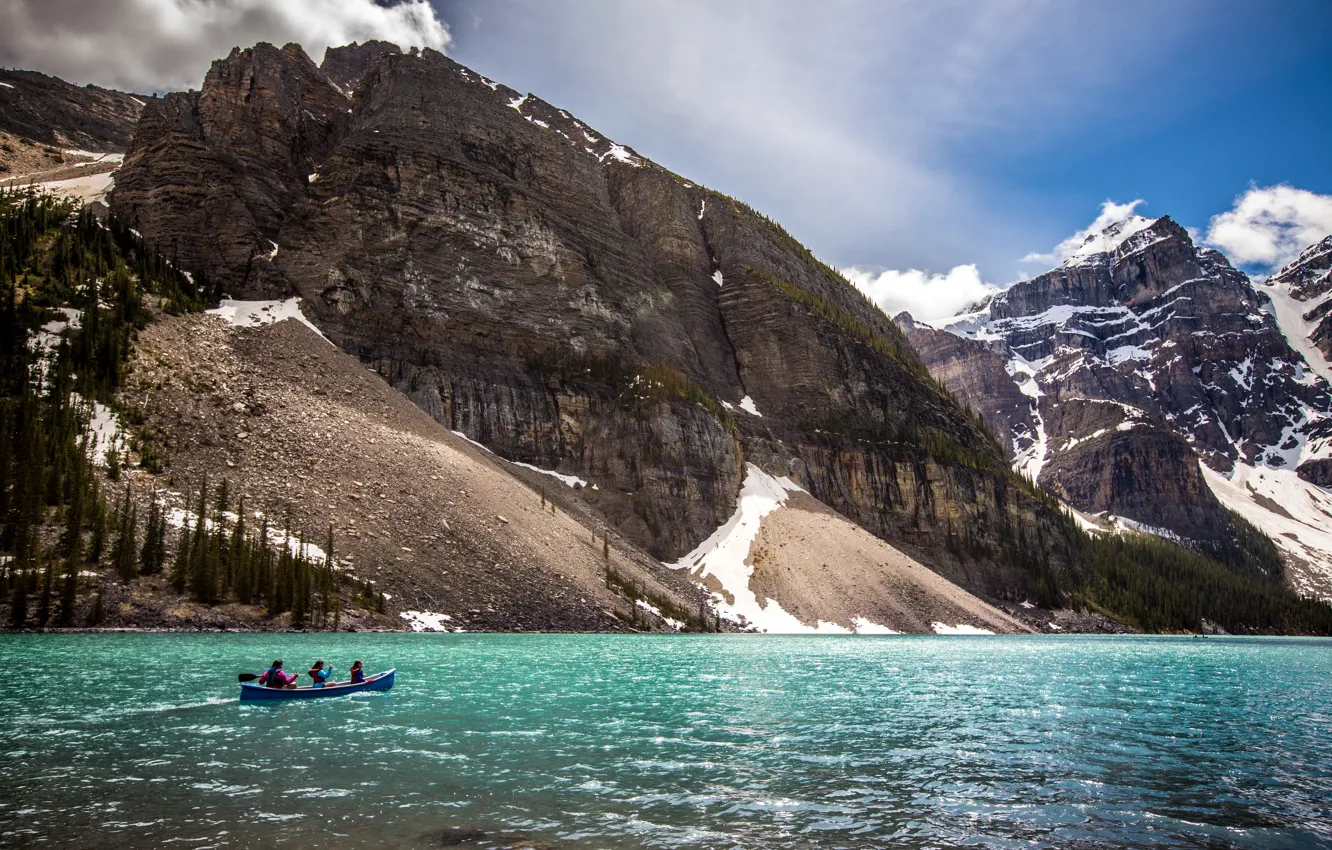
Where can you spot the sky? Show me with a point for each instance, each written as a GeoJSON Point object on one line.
{"type": "Point", "coordinates": [931, 151]}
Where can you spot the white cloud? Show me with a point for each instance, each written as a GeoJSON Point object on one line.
{"type": "Point", "coordinates": [1111, 213]}
{"type": "Point", "coordinates": [1270, 226]}
{"type": "Point", "coordinates": [843, 122]}
{"type": "Point", "coordinates": [926, 296]}
{"type": "Point", "coordinates": [161, 45]}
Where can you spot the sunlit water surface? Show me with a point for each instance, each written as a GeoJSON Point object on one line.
{"type": "Point", "coordinates": [700, 742]}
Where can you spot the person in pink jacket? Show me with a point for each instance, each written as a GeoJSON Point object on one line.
{"type": "Point", "coordinates": [274, 677]}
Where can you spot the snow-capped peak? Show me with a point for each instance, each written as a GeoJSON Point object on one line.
{"type": "Point", "coordinates": [1109, 239]}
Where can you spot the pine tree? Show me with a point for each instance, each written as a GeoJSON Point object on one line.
{"type": "Point", "coordinates": [126, 548]}
{"type": "Point", "coordinates": [18, 601]}
{"type": "Point", "coordinates": [221, 565]}
{"type": "Point", "coordinates": [238, 568]}
{"type": "Point", "coordinates": [97, 546]}
{"type": "Point", "coordinates": [180, 565]}
{"type": "Point", "coordinates": [202, 580]}
{"type": "Point", "coordinates": [44, 600]}
{"type": "Point", "coordinates": [152, 557]}
{"type": "Point", "coordinates": [326, 581]}
{"type": "Point", "coordinates": [98, 613]}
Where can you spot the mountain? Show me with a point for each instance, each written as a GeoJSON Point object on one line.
{"type": "Point", "coordinates": [1163, 390]}
{"type": "Point", "coordinates": [564, 301]}
{"type": "Point", "coordinates": [1300, 303]}
{"type": "Point", "coordinates": [454, 307]}
{"type": "Point", "coordinates": [49, 111]}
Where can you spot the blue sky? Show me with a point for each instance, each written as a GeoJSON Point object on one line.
{"type": "Point", "coordinates": [934, 136]}
{"type": "Point", "coordinates": [968, 134]}
{"type": "Point", "coordinates": [922, 146]}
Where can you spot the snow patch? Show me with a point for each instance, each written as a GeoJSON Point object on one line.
{"type": "Point", "coordinates": [959, 629]}
{"type": "Point", "coordinates": [1030, 461]}
{"type": "Point", "coordinates": [1289, 315]}
{"type": "Point", "coordinates": [865, 627]}
{"type": "Point", "coordinates": [427, 621]}
{"type": "Point", "coordinates": [96, 156]}
{"type": "Point", "coordinates": [567, 480]}
{"type": "Point", "coordinates": [277, 537]}
{"type": "Point", "coordinates": [1297, 516]}
{"type": "Point", "coordinates": [1123, 523]}
{"type": "Point", "coordinates": [105, 433]}
{"type": "Point", "coordinates": [747, 405]}
{"type": "Point", "coordinates": [92, 187]}
{"type": "Point", "coordinates": [648, 606]}
{"type": "Point", "coordinates": [620, 153]}
{"type": "Point", "coordinates": [723, 555]}
{"type": "Point", "coordinates": [717, 277]}
{"type": "Point", "coordinates": [253, 314]}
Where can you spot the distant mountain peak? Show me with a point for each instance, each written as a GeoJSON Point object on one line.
{"type": "Point", "coordinates": [1142, 354]}
{"type": "Point", "coordinates": [1109, 239]}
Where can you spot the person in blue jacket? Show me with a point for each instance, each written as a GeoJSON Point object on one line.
{"type": "Point", "coordinates": [320, 673]}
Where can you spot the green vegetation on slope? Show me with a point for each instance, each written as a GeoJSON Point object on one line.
{"type": "Point", "coordinates": [1157, 585]}
{"type": "Point", "coordinates": [75, 293]}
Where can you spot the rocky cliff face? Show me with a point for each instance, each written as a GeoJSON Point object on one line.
{"type": "Point", "coordinates": [216, 171]}
{"type": "Point", "coordinates": [1145, 354]}
{"type": "Point", "coordinates": [50, 111]}
{"type": "Point", "coordinates": [346, 66]}
{"type": "Point", "coordinates": [553, 295]}
{"type": "Point", "coordinates": [979, 375]}
{"type": "Point", "coordinates": [1301, 303]}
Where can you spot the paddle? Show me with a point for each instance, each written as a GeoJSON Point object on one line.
{"type": "Point", "coordinates": [246, 677]}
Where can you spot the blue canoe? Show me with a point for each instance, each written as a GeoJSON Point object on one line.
{"type": "Point", "coordinates": [378, 682]}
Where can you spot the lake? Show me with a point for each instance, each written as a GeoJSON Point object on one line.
{"type": "Point", "coordinates": [587, 741]}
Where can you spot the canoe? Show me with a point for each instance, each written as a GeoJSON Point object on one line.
{"type": "Point", "coordinates": [378, 682]}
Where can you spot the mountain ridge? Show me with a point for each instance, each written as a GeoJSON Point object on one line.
{"type": "Point", "coordinates": [1143, 356]}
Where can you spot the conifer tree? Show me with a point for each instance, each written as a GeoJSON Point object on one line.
{"type": "Point", "coordinates": [238, 577]}
{"type": "Point", "coordinates": [202, 579]}
{"type": "Point", "coordinates": [18, 601]}
{"type": "Point", "coordinates": [152, 557]}
{"type": "Point", "coordinates": [126, 547]}
{"type": "Point", "coordinates": [180, 565]}
{"type": "Point", "coordinates": [97, 545]}
{"type": "Point", "coordinates": [44, 600]}
{"type": "Point", "coordinates": [98, 613]}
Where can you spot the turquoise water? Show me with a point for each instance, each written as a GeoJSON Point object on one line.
{"type": "Point", "coordinates": [698, 742]}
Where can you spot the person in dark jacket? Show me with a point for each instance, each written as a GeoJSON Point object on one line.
{"type": "Point", "coordinates": [357, 673]}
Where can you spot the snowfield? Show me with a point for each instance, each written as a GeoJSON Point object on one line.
{"type": "Point", "coordinates": [721, 561]}
{"type": "Point", "coordinates": [254, 314]}
{"type": "Point", "coordinates": [428, 621]}
{"type": "Point", "coordinates": [1297, 516]}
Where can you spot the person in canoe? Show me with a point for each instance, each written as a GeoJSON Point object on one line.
{"type": "Point", "coordinates": [274, 677]}
{"type": "Point", "coordinates": [320, 673]}
{"type": "Point", "coordinates": [357, 673]}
